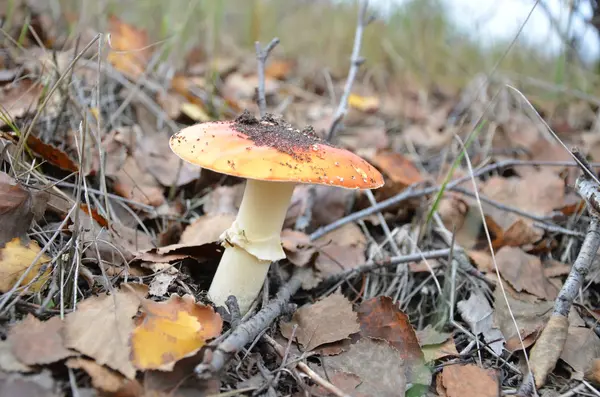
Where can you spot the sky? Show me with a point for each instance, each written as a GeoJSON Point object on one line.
{"type": "Point", "coordinates": [501, 19]}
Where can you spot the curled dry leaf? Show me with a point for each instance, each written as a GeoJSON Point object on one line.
{"type": "Point", "coordinates": [168, 331]}
{"type": "Point", "coordinates": [18, 207]}
{"type": "Point", "coordinates": [547, 350]}
{"type": "Point", "coordinates": [101, 326]}
{"type": "Point", "coordinates": [16, 258]}
{"type": "Point", "coordinates": [206, 229]}
{"type": "Point", "coordinates": [525, 272]}
{"type": "Point", "coordinates": [326, 321]}
{"type": "Point", "coordinates": [468, 380]}
{"type": "Point", "coordinates": [35, 342]}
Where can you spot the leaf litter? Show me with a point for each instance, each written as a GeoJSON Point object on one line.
{"type": "Point", "coordinates": [131, 237]}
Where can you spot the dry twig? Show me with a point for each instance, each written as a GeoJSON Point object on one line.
{"type": "Point", "coordinates": [261, 55]}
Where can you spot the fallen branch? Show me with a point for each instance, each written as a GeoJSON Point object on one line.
{"type": "Point", "coordinates": [248, 331]}
{"type": "Point", "coordinates": [261, 57]}
{"type": "Point", "coordinates": [549, 346]}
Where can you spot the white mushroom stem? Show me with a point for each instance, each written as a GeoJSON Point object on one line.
{"type": "Point", "coordinates": [252, 242]}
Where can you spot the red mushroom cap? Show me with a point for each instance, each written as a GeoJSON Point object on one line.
{"type": "Point", "coordinates": [272, 150]}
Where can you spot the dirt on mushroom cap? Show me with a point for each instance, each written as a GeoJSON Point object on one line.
{"type": "Point", "coordinates": [270, 149]}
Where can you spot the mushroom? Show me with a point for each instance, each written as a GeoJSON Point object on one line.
{"type": "Point", "coordinates": [273, 157]}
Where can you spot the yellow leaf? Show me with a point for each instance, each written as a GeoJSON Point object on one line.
{"type": "Point", "coordinates": [363, 103]}
{"type": "Point", "coordinates": [195, 112]}
{"type": "Point", "coordinates": [15, 259]}
{"type": "Point", "coordinates": [169, 331]}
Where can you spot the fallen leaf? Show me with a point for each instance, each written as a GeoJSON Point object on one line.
{"type": "Point", "coordinates": [168, 331]}
{"type": "Point", "coordinates": [469, 380]}
{"type": "Point", "coordinates": [8, 361]}
{"type": "Point", "coordinates": [340, 250]}
{"type": "Point", "coordinates": [547, 349]}
{"type": "Point", "coordinates": [328, 320]}
{"type": "Point", "coordinates": [367, 104]}
{"type": "Point", "coordinates": [529, 312]}
{"type": "Point", "coordinates": [51, 154]}
{"type": "Point", "coordinates": [159, 286]}
{"type": "Point", "coordinates": [176, 252]}
{"type": "Point", "coordinates": [398, 168]}
{"type": "Point", "coordinates": [581, 348]}
{"type": "Point", "coordinates": [593, 373]}
{"type": "Point", "coordinates": [19, 206]}
{"type": "Point", "coordinates": [35, 342]}
{"type": "Point", "coordinates": [18, 99]}
{"type": "Point", "coordinates": [16, 259]}
{"type": "Point", "coordinates": [279, 69]}
{"type": "Point", "coordinates": [195, 112]}
{"type": "Point", "coordinates": [477, 312]}
{"type": "Point", "coordinates": [435, 344]}
{"type": "Point", "coordinates": [298, 247]}
{"type": "Point", "coordinates": [525, 272]}
{"type": "Point", "coordinates": [206, 229]}
{"type": "Point", "coordinates": [385, 374]}
{"type": "Point", "coordinates": [105, 379]}
{"type": "Point", "coordinates": [129, 51]}
{"type": "Point", "coordinates": [345, 381]}
{"type": "Point", "coordinates": [133, 183]}
{"type": "Point", "coordinates": [224, 199]}
{"type": "Point", "coordinates": [333, 203]}
{"type": "Point", "coordinates": [35, 385]}
{"type": "Point", "coordinates": [101, 327]}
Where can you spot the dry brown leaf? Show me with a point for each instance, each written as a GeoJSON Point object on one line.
{"type": "Point", "coordinates": [340, 250]}
{"type": "Point", "coordinates": [581, 348]}
{"type": "Point", "coordinates": [129, 51]}
{"type": "Point", "coordinates": [298, 247]}
{"type": "Point", "coordinates": [36, 385]}
{"type": "Point", "coordinates": [345, 381]}
{"type": "Point", "coordinates": [547, 349]}
{"type": "Point", "coordinates": [15, 260]}
{"type": "Point", "coordinates": [530, 313]}
{"type": "Point", "coordinates": [35, 342]}
{"type": "Point", "coordinates": [436, 344]}
{"type": "Point", "coordinates": [525, 272]}
{"type": "Point", "coordinates": [206, 229]}
{"type": "Point", "coordinates": [385, 374]}
{"type": "Point", "coordinates": [477, 312]}
{"type": "Point", "coordinates": [398, 168]}
{"type": "Point", "coordinates": [593, 373]}
{"type": "Point", "coordinates": [8, 361]}
{"type": "Point", "coordinates": [224, 200]}
{"type": "Point", "coordinates": [176, 252]}
{"type": "Point", "coordinates": [469, 380]}
{"type": "Point", "coordinates": [169, 331]}
{"type": "Point", "coordinates": [333, 203]}
{"type": "Point", "coordinates": [51, 154]}
{"type": "Point", "coordinates": [279, 69]}
{"type": "Point", "coordinates": [101, 327]}
{"type": "Point", "coordinates": [18, 207]}
{"type": "Point", "coordinates": [328, 320]}
{"type": "Point", "coordinates": [18, 99]}
{"type": "Point", "coordinates": [133, 183]}
{"type": "Point", "coordinates": [105, 379]}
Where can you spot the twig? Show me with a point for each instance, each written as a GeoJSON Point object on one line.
{"type": "Point", "coordinates": [249, 330]}
{"type": "Point", "coordinates": [355, 62]}
{"type": "Point", "coordinates": [318, 379]}
{"type": "Point", "coordinates": [261, 57]}
{"type": "Point", "coordinates": [392, 261]}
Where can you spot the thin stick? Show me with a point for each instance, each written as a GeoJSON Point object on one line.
{"type": "Point", "coordinates": [318, 379]}
{"type": "Point", "coordinates": [251, 329]}
{"type": "Point", "coordinates": [355, 61]}
{"type": "Point", "coordinates": [261, 57]}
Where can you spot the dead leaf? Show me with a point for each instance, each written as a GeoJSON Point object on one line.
{"type": "Point", "coordinates": [105, 379]}
{"type": "Point", "coordinates": [101, 327]}
{"type": "Point", "coordinates": [15, 260]}
{"type": "Point", "coordinates": [328, 320]}
{"type": "Point", "coordinates": [8, 361]}
{"type": "Point", "coordinates": [345, 381]}
{"type": "Point", "coordinates": [469, 380]}
{"type": "Point", "coordinates": [18, 99]}
{"type": "Point", "coordinates": [298, 247]}
{"type": "Point", "coordinates": [35, 385]}
{"type": "Point", "coordinates": [129, 51]}
{"type": "Point", "coordinates": [581, 348]}
{"type": "Point", "coordinates": [279, 69]}
{"type": "Point", "coordinates": [477, 312]}
{"type": "Point", "coordinates": [547, 349]}
{"type": "Point", "coordinates": [168, 331]}
{"type": "Point", "coordinates": [367, 104]}
{"type": "Point", "coordinates": [340, 250]}
{"type": "Point", "coordinates": [398, 168]}
{"type": "Point", "coordinates": [333, 203]}
{"type": "Point", "coordinates": [51, 154]}
{"type": "Point", "coordinates": [19, 206]}
{"type": "Point", "coordinates": [177, 252]}
{"type": "Point", "coordinates": [206, 229]}
{"type": "Point", "coordinates": [224, 199]}
{"type": "Point", "coordinates": [35, 342]}
{"type": "Point", "coordinates": [385, 374]}
{"type": "Point", "coordinates": [525, 272]}
{"type": "Point", "coordinates": [133, 183]}
{"type": "Point", "coordinates": [436, 344]}
{"type": "Point", "coordinates": [529, 312]}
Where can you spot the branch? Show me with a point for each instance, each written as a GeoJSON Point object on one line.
{"type": "Point", "coordinates": [261, 57]}
{"type": "Point", "coordinates": [248, 331]}
{"type": "Point", "coordinates": [355, 62]}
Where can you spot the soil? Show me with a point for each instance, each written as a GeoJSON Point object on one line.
{"type": "Point", "coordinates": [278, 134]}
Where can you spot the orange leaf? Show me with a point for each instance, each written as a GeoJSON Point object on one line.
{"type": "Point", "coordinates": [169, 331]}
{"type": "Point", "coordinates": [279, 69]}
{"type": "Point", "coordinates": [129, 47]}
{"type": "Point", "coordinates": [51, 154]}
{"type": "Point", "coordinates": [397, 167]}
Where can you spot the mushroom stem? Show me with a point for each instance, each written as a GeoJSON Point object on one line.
{"type": "Point", "coordinates": [252, 242]}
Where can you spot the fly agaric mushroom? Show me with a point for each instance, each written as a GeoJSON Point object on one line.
{"type": "Point", "coordinates": [273, 157]}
